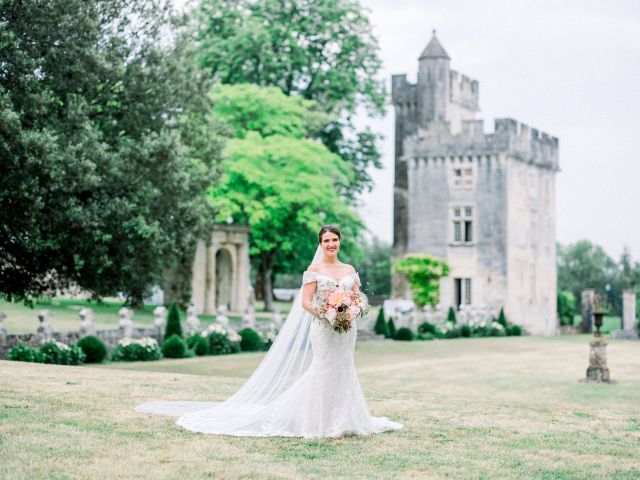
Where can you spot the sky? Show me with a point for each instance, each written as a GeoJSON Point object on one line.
{"type": "Point", "coordinates": [569, 68]}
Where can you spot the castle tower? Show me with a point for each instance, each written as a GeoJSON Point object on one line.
{"type": "Point", "coordinates": [484, 202]}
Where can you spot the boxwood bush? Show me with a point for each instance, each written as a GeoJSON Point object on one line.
{"type": "Point", "coordinates": [62, 354]}
{"type": "Point", "coordinates": [404, 334]}
{"type": "Point", "coordinates": [23, 353]}
{"type": "Point", "coordinates": [94, 349]}
{"type": "Point", "coordinates": [174, 347]}
{"type": "Point", "coordinates": [251, 340]}
{"type": "Point", "coordinates": [128, 350]}
{"type": "Point", "coordinates": [198, 344]}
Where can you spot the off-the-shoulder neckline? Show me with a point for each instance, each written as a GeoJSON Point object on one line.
{"type": "Point", "coordinates": [331, 278]}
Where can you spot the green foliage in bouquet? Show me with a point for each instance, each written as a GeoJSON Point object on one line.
{"type": "Point", "coordinates": [94, 349]}
{"type": "Point", "coordinates": [174, 327]}
{"type": "Point", "coordinates": [424, 273]}
{"type": "Point", "coordinates": [174, 347]}
{"type": "Point", "coordinates": [23, 353]}
{"type": "Point", "coordinates": [251, 340]}
{"type": "Point", "coordinates": [404, 334]}
{"type": "Point", "coordinates": [198, 344]}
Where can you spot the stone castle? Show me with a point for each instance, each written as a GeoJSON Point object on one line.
{"type": "Point", "coordinates": [484, 202]}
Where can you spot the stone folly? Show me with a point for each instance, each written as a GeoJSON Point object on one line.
{"type": "Point", "coordinates": [219, 272]}
{"type": "Point", "coordinates": [484, 202]}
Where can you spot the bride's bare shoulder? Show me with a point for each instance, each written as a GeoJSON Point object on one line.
{"type": "Point", "coordinates": [350, 268]}
{"type": "Point", "coordinates": [313, 268]}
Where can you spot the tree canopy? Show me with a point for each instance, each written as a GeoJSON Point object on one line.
{"type": "Point", "coordinates": [275, 178]}
{"type": "Point", "coordinates": [100, 182]}
{"type": "Point", "coordinates": [319, 50]}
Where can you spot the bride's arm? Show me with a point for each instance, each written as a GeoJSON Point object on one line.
{"type": "Point", "coordinates": [307, 296]}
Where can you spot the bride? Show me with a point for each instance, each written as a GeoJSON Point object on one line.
{"type": "Point", "coordinates": [306, 385]}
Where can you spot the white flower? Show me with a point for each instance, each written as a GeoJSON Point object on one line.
{"type": "Point", "coordinates": [233, 336]}
{"type": "Point", "coordinates": [331, 314]}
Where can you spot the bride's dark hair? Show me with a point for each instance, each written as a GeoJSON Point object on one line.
{"type": "Point", "coordinates": [328, 228]}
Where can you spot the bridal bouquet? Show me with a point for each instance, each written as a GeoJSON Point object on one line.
{"type": "Point", "coordinates": [338, 308]}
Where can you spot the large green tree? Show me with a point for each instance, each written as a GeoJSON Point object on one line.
{"type": "Point", "coordinates": [323, 50]}
{"type": "Point", "coordinates": [101, 175]}
{"type": "Point", "coordinates": [277, 178]}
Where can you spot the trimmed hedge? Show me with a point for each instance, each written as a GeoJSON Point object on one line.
{"type": "Point", "coordinates": [174, 347]}
{"type": "Point", "coordinates": [251, 340]}
{"type": "Point", "coordinates": [94, 349]}
{"type": "Point", "coordinates": [404, 334]}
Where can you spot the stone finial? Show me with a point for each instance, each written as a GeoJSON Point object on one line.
{"type": "Point", "coordinates": [3, 330]}
{"type": "Point", "coordinates": [160, 317]}
{"type": "Point", "coordinates": [221, 315]}
{"type": "Point", "coordinates": [45, 330]}
{"type": "Point", "coordinates": [277, 316]}
{"type": "Point", "coordinates": [249, 318]}
{"type": "Point", "coordinates": [86, 322]}
{"type": "Point", "coordinates": [125, 325]}
{"type": "Point", "coordinates": [193, 322]}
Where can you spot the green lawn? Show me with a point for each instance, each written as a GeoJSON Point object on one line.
{"type": "Point", "coordinates": [494, 408]}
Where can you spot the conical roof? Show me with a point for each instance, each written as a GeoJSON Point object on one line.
{"type": "Point", "coordinates": [434, 49]}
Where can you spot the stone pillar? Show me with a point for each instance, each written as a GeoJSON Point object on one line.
{"type": "Point", "coordinates": [86, 322]}
{"type": "Point", "coordinates": [587, 311]}
{"type": "Point", "coordinates": [193, 322]}
{"type": "Point", "coordinates": [160, 320]}
{"type": "Point", "coordinates": [598, 371]}
{"type": "Point", "coordinates": [629, 321]}
{"type": "Point", "coordinates": [45, 330]}
{"type": "Point", "coordinates": [629, 311]}
{"type": "Point", "coordinates": [3, 330]}
{"type": "Point", "coordinates": [125, 325]}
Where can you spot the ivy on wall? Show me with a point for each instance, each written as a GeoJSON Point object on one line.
{"type": "Point", "coordinates": [423, 272]}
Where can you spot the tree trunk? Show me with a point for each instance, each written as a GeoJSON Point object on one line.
{"type": "Point", "coordinates": [266, 269]}
{"type": "Point", "coordinates": [136, 300]}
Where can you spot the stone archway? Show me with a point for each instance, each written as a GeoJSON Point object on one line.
{"type": "Point", "coordinates": [224, 278]}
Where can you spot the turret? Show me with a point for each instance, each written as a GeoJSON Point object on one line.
{"type": "Point", "coordinates": [433, 83]}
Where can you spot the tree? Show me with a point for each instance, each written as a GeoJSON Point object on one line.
{"type": "Point", "coordinates": [381, 327]}
{"type": "Point", "coordinates": [320, 50]}
{"type": "Point", "coordinates": [391, 328]}
{"type": "Point", "coordinates": [374, 266]}
{"type": "Point", "coordinates": [501, 318]}
{"type": "Point", "coordinates": [424, 273]}
{"type": "Point", "coordinates": [174, 327]}
{"type": "Point", "coordinates": [451, 315]}
{"type": "Point", "coordinates": [276, 179]}
{"type": "Point", "coordinates": [566, 307]}
{"type": "Point", "coordinates": [100, 182]}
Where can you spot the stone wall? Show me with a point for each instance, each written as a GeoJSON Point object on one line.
{"type": "Point", "coordinates": [110, 337]}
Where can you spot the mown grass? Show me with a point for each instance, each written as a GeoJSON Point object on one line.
{"type": "Point", "coordinates": [472, 408]}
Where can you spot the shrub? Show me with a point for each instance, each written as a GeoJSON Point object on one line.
{"type": "Point", "coordinates": [515, 330]}
{"type": "Point", "coordinates": [22, 353]}
{"type": "Point", "coordinates": [198, 344]}
{"type": "Point", "coordinates": [451, 316]}
{"type": "Point", "coordinates": [426, 336]}
{"type": "Point", "coordinates": [174, 347]}
{"type": "Point", "coordinates": [251, 340]}
{"type": "Point", "coordinates": [501, 318]}
{"type": "Point", "coordinates": [270, 337]}
{"type": "Point", "coordinates": [404, 334]}
{"type": "Point", "coordinates": [61, 354]}
{"type": "Point", "coordinates": [566, 307]}
{"type": "Point", "coordinates": [219, 344]}
{"type": "Point", "coordinates": [391, 327]}
{"type": "Point", "coordinates": [381, 327]}
{"type": "Point", "coordinates": [94, 349]}
{"type": "Point", "coordinates": [427, 327]}
{"type": "Point", "coordinates": [465, 331]}
{"type": "Point", "coordinates": [174, 327]}
{"type": "Point", "coordinates": [452, 333]}
{"type": "Point", "coordinates": [129, 350]}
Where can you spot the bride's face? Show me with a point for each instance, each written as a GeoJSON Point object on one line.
{"type": "Point", "coordinates": [330, 244]}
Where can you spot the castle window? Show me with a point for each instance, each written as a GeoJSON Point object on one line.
{"type": "Point", "coordinates": [462, 177]}
{"type": "Point", "coordinates": [461, 292]}
{"type": "Point", "coordinates": [463, 224]}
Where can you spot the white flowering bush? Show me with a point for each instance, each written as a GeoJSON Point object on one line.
{"type": "Point", "coordinates": [270, 336]}
{"type": "Point", "coordinates": [62, 354]}
{"type": "Point", "coordinates": [132, 350]}
{"type": "Point", "coordinates": [222, 341]}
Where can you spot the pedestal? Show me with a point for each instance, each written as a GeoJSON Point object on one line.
{"type": "Point", "coordinates": [598, 371]}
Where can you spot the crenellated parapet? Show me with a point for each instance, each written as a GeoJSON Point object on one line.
{"type": "Point", "coordinates": [464, 91]}
{"type": "Point", "coordinates": [509, 137]}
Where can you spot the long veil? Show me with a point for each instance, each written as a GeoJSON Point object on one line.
{"type": "Point", "coordinates": [285, 362]}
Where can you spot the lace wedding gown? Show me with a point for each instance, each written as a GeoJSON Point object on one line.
{"type": "Point", "coordinates": [323, 400]}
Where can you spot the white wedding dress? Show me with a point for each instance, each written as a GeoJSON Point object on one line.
{"type": "Point", "coordinates": [311, 396]}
